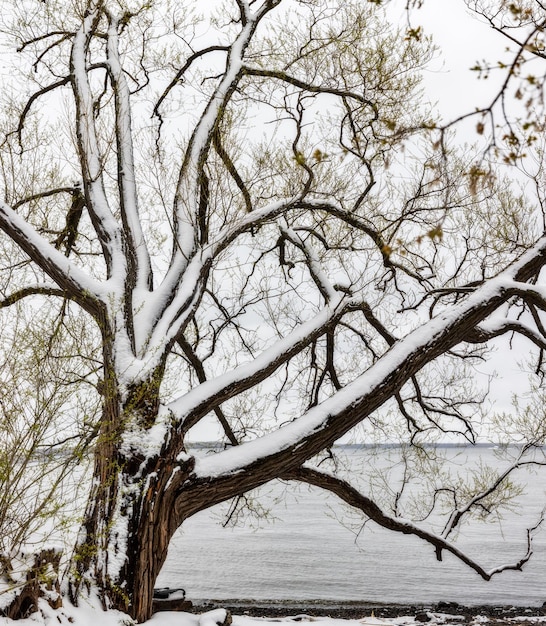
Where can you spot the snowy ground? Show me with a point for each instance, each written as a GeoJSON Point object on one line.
{"type": "Point", "coordinates": [93, 616]}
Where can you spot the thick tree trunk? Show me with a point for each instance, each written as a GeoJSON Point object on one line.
{"type": "Point", "coordinates": [124, 540]}
{"type": "Point", "coordinates": [126, 536]}
{"type": "Point", "coordinates": [150, 531]}
{"type": "Point", "coordinates": [129, 521]}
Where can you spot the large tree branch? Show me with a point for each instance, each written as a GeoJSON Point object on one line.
{"type": "Point", "coordinates": [271, 211]}
{"type": "Point", "coordinates": [166, 308]}
{"type": "Point", "coordinates": [256, 462]}
{"type": "Point", "coordinates": [69, 277]}
{"type": "Point", "coordinates": [161, 319]}
{"type": "Point", "coordinates": [138, 277]}
{"type": "Point", "coordinates": [104, 222]}
{"type": "Point", "coordinates": [354, 498]}
{"type": "Point", "coordinates": [531, 294]}
{"type": "Point", "coordinates": [534, 294]}
{"type": "Point", "coordinates": [140, 271]}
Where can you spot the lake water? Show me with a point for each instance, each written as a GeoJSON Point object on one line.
{"type": "Point", "coordinates": [307, 554]}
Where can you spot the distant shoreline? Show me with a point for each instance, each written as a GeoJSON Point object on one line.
{"type": "Point", "coordinates": [215, 445]}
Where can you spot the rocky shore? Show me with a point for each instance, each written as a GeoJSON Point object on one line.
{"type": "Point", "coordinates": [465, 614]}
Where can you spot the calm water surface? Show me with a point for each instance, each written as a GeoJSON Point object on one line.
{"type": "Point", "coordinates": [307, 554]}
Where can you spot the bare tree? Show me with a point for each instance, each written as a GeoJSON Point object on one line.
{"type": "Point", "coordinates": [255, 209]}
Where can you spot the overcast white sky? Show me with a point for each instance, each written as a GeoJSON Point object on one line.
{"type": "Point", "coordinates": [463, 39]}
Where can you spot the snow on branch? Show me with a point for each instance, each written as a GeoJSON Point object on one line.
{"type": "Point", "coordinates": [316, 271]}
{"type": "Point", "coordinates": [196, 403]}
{"type": "Point", "coordinates": [323, 424]}
{"type": "Point", "coordinates": [491, 329]}
{"type": "Point", "coordinates": [530, 293]}
{"type": "Point", "coordinates": [265, 214]}
{"type": "Point", "coordinates": [102, 218]}
{"type": "Point", "coordinates": [534, 296]}
{"type": "Point", "coordinates": [134, 236]}
{"type": "Point", "coordinates": [68, 276]}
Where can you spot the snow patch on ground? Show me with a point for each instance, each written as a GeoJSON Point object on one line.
{"type": "Point", "coordinates": [90, 614]}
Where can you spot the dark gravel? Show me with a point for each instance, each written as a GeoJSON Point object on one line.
{"type": "Point", "coordinates": [359, 610]}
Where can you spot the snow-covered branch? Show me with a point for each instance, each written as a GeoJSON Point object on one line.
{"type": "Point", "coordinates": [535, 294]}
{"type": "Point", "coordinates": [495, 328]}
{"type": "Point", "coordinates": [140, 268]}
{"type": "Point", "coordinates": [193, 405]}
{"type": "Point", "coordinates": [104, 222]}
{"type": "Point", "coordinates": [322, 425]}
{"type": "Point", "coordinates": [67, 275]}
{"type": "Point", "coordinates": [325, 287]}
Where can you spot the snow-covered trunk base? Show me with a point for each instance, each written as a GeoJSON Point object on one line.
{"type": "Point", "coordinates": [129, 521]}
{"type": "Point", "coordinates": [41, 580]}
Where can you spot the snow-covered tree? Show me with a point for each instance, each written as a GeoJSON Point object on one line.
{"type": "Point", "coordinates": [253, 221]}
